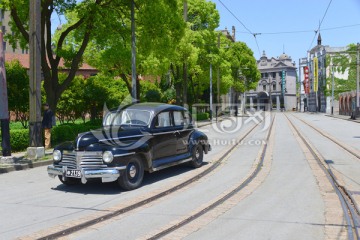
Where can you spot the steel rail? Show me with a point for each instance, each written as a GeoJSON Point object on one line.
{"type": "Point", "coordinates": [329, 137]}
{"type": "Point", "coordinates": [341, 146]}
{"type": "Point", "coordinates": [221, 200]}
{"type": "Point", "coordinates": [91, 222]}
{"type": "Point", "coordinates": [349, 209]}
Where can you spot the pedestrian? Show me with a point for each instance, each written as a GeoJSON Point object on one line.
{"type": "Point", "coordinates": [47, 124]}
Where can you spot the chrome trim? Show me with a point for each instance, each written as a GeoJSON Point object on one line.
{"type": "Point", "coordinates": [124, 154]}
{"type": "Point", "coordinates": [171, 164]}
{"type": "Point", "coordinates": [79, 138]}
{"type": "Point", "coordinates": [117, 138]}
{"type": "Point", "coordinates": [106, 174]}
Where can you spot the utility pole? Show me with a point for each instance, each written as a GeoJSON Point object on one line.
{"type": "Point", "coordinates": [332, 91]}
{"type": "Point", "coordinates": [357, 81]}
{"type": "Point", "coordinates": [211, 92]}
{"type": "Point", "coordinates": [218, 80]}
{"type": "Point", "coordinates": [299, 82]}
{"type": "Point", "coordinates": [185, 75]}
{"type": "Point", "coordinates": [133, 54]}
{"type": "Point", "coordinates": [36, 149]}
{"type": "Point", "coordinates": [4, 110]}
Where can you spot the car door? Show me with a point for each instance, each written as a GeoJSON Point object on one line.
{"type": "Point", "coordinates": [164, 141]}
{"type": "Point", "coordinates": [183, 128]}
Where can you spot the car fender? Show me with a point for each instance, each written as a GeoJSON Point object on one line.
{"type": "Point", "coordinates": [197, 137]}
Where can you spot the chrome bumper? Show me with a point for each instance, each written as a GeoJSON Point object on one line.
{"type": "Point", "coordinates": [106, 174]}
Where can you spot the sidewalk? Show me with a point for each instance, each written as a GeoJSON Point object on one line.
{"type": "Point", "coordinates": [18, 161]}
{"type": "Point", "coordinates": [343, 117]}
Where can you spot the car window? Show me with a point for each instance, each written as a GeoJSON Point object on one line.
{"type": "Point", "coordinates": [163, 120]}
{"type": "Point", "coordinates": [128, 116]}
{"type": "Point", "coordinates": [178, 118]}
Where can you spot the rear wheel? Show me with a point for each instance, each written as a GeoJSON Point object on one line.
{"type": "Point", "coordinates": [69, 181]}
{"type": "Point", "coordinates": [197, 156]}
{"type": "Point", "coordinates": [133, 175]}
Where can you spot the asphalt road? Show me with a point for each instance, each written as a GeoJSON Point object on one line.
{"type": "Point", "coordinates": [287, 203]}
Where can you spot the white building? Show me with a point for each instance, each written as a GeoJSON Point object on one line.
{"type": "Point", "coordinates": [271, 92]}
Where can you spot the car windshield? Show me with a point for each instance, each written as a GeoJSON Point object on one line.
{"type": "Point", "coordinates": [128, 117]}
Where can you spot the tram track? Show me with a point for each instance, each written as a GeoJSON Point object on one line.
{"type": "Point", "coordinates": [259, 163]}
{"type": "Point", "coordinates": [343, 146]}
{"type": "Point", "coordinates": [65, 231]}
{"type": "Point", "coordinates": [349, 206]}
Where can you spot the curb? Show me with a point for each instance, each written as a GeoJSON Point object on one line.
{"type": "Point", "coordinates": [23, 165]}
{"type": "Point", "coordinates": [343, 118]}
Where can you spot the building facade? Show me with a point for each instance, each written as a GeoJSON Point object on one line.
{"type": "Point", "coordinates": [276, 89]}
{"type": "Point", "coordinates": [320, 72]}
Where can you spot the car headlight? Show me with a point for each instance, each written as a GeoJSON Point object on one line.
{"type": "Point", "coordinates": [57, 155]}
{"type": "Point", "coordinates": [107, 157]}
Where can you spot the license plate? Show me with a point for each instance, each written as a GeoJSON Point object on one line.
{"type": "Point", "coordinates": [73, 173]}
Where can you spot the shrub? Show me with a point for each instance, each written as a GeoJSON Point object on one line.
{"type": "Point", "coordinates": [19, 139]}
{"type": "Point", "coordinates": [202, 116]}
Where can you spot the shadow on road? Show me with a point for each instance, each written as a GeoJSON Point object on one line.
{"type": "Point", "coordinates": [96, 187]}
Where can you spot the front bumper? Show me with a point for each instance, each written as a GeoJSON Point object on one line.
{"type": "Point", "coordinates": [106, 174]}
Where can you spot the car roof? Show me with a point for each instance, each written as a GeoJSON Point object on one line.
{"type": "Point", "coordinates": [154, 107]}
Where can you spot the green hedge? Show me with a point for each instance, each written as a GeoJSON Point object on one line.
{"type": "Point", "coordinates": [19, 138]}
{"type": "Point", "coordinates": [68, 132]}
{"type": "Point", "coordinates": [202, 116]}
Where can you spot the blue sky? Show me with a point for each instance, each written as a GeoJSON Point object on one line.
{"type": "Point", "coordinates": [264, 16]}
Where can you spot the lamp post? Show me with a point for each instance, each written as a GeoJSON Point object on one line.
{"type": "Point", "coordinates": [133, 54]}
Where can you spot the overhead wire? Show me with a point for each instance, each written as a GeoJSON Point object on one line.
{"type": "Point", "coordinates": [318, 29]}
{"type": "Point", "coordinates": [302, 31]}
{"type": "Point", "coordinates": [247, 29]}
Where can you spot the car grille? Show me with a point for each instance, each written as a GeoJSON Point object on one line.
{"type": "Point", "coordinates": [75, 160]}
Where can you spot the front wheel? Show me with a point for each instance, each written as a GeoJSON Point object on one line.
{"type": "Point", "coordinates": [133, 175]}
{"type": "Point", "coordinates": [197, 156]}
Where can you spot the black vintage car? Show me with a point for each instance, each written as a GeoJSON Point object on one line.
{"type": "Point", "coordinates": [136, 138]}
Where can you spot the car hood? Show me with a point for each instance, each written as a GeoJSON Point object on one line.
{"type": "Point", "coordinates": [112, 136]}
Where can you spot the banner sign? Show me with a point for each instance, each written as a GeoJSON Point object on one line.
{"type": "Point", "coordinates": [306, 80]}
{"type": "Point", "coordinates": [316, 74]}
{"type": "Point", "coordinates": [283, 82]}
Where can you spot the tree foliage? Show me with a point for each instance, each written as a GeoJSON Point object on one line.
{"type": "Point", "coordinates": [343, 63]}
{"type": "Point", "coordinates": [177, 50]}
{"type": "Point", "coordinates": [18, 91]}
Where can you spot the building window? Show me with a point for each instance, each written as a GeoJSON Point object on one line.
{"type": "Point", "coordinates": [274, 74]}
{"type": "Point", "coordinates": [264, 87]}
{"type": "Point", "coordinates": [274, 87]}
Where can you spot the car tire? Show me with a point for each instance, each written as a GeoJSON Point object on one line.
{"type": "Point", "coordinates": [131, 178]}
{"type": "Point", "coordinates": [197, 156]}
{"type": "Point", "coordinates": [69, 181]}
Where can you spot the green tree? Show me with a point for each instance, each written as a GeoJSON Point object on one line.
{"type": "Point", "coordinates": [18, 91]}
{"type": "Point", "coordinates": [71, 105]}
{"type": "Point", "coordinates": [159, 28]}
{"type": "Point", "coordinates": [106, 23]}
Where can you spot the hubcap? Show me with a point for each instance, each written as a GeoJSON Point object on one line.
{"type": "Point", "coordinates": [132, 171]}
{"type": "Point", "coordinates": [197, 153]}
